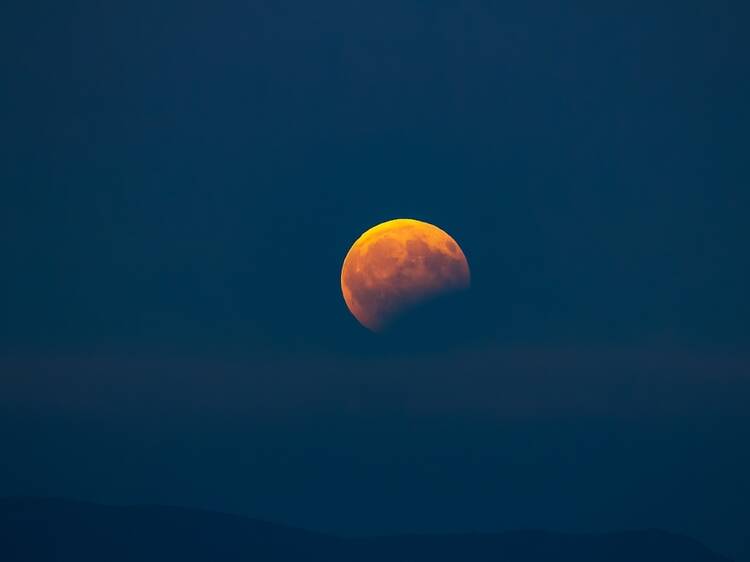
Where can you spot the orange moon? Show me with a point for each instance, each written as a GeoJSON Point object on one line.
{"type": "Point", "coordinates": [399, 264]}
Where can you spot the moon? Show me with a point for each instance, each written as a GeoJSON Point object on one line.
{"type": "Point", "coordinates": [397, 265]}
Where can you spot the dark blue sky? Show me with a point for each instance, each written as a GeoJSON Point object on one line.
{"type": "Point", "coordinates": [181, 182]}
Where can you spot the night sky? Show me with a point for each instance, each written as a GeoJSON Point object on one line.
{"type": "Point", "coordinates": [181, 182]}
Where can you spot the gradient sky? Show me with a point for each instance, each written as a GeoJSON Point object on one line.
{"type": "Point", "coordinates": [181, 182]}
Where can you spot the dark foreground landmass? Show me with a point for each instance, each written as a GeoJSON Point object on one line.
{"type": "Point", "coordinates": [45, 530]}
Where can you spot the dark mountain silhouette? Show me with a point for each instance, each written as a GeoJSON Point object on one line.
{"type": "Point", "coordinates": [57, 530]}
